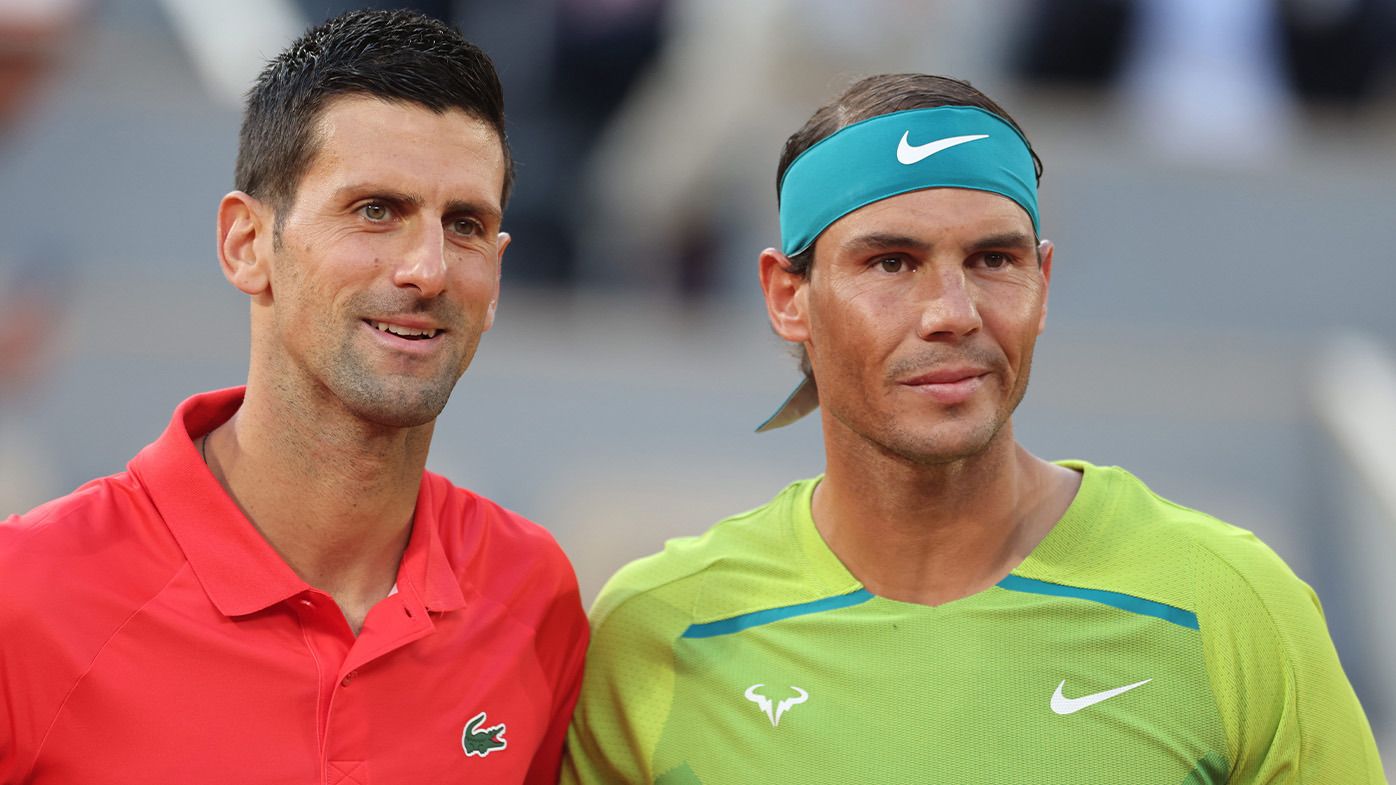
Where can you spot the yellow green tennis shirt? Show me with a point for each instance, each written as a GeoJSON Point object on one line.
{"type": "Point", "coordinates": [1140, 642]}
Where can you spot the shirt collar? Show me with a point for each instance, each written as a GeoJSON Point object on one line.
{"type": "Point", "coordinates": [424, 563]}
{"type": "Point", "coordinates": [239, 570]}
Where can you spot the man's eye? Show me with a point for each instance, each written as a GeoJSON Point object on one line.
{"type": "Point", "coordinates": [374, 211]}
{"type": "Point", "coordinates": [891, 264]}
{"type": "Point", "coordinates": [466, 227]}
{"type": "Point", "coordinates": [993, 261]}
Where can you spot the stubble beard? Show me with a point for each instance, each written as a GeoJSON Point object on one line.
{"type": "Point", "coordinates": [898, 436]}
{"type": "Point", "coordinates": [394, 400]}
{"type": "Point", "coordinates": [390, 400]}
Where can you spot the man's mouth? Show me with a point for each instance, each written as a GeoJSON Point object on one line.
{"type": "Point", "coordinates": [946, 376]}
{"type": "Point", "coordinates": [402, 331]}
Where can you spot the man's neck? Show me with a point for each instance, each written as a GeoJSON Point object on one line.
{"type": "Point", "coordinates": [332, 495]}
{"type": "Point", "coordinates": [931, 534]}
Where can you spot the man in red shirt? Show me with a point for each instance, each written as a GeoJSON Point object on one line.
{"type": "Point", "coordinates": [276, 591]}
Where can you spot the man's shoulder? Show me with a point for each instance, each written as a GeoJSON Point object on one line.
{"type": "Point", "coordinates": [468, 519]}
{"type": "Point", "coordinates": [101, 521]}
{"type": "Point", "coordinates": [745, 562]}
{"type": "Point", "coordinates": [1151, 546]}
{"type": "Point", "coordinates": [1141, 520]}
{"type": "Point", "coordinates": [84, 560]}
{"type": "Point", "coordinates": [487, 543]}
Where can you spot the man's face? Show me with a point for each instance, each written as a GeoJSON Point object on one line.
{"type": "Point", "coordinates": [921, 312]}
{"type": "Point", "coordinates": [386, 267]}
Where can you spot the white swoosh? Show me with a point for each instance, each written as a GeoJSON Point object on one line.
{"type": "Point", "coordinates": [909, 154]}
{"type": "Point", "coordinates": [1064, 705]}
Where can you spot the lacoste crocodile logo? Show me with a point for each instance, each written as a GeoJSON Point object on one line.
{"type": "Point", "coordinates": [482, 741]}
{"type": "Point", "coordinates": [773, 713]}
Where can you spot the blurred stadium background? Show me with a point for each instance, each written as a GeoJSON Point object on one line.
{"type": "Point", "coordinates": [1219, 184]}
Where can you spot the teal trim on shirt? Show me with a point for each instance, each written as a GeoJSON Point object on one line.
{"type": "Point", "coordinates": [758, 618]}
{"type": "Point", "coordinates": [1124, 602]}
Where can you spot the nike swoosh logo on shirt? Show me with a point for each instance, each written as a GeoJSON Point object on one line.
{"type": "Point", "coordinates": [1064, 705]}
{"type": "Point", "coordinates": [909, 154]}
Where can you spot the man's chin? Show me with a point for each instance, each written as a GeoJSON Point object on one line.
{"type": "Point", "coordinates": [397, 405]}
{"type": "Point", "coordinates": [398, 417]}
{"type": "Point", "coordinates": [941, 446]}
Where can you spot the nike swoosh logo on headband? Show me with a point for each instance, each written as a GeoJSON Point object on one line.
{"type": "Point", "coordinates": [908, 154]}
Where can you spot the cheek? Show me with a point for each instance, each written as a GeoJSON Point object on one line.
{"type": "Point", "coordinates": [851, 334]}
{"type": "Point", "coordinates": [871, 321]}
{"type": "Point", "coordinates": [308, 296]}
{"type": "Point", "coordinates": [1017, 327]}
{"type": "Point", "coordinates": [476, 274]}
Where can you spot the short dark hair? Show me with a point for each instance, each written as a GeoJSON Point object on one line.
{"type": "Point", "coordinates": [397, 55]}
{"type": "Point", "coordinates": [874, 96]}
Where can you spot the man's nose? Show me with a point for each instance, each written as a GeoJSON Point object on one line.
{"type": "Point", "coordinates": [423, 262]}
{"type": "Point", "coordinates": [949, 309]}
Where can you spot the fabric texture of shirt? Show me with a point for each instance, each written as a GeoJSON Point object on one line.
{"type": "Point", "coordinates": [1139, 642]}
{"type": "Point", "coordinates": [150, 636]}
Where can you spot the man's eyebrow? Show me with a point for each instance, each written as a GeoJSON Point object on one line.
{"type": "Point", "coordinates": [1004, 240]}
{"type": "Point", "coordinates": [369, 190]}
{"type": "Point", "coordinates": [468, 207]}
{"type": "Point", "coordinates": [882, 241]}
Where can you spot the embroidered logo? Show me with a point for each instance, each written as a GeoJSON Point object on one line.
{"type": "Point", "coordinates": [774, 712]}
{"type": "Point", "coordinates": [482, 741]}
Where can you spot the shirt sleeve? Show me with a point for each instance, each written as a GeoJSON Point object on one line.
{"type": "Point", "coordinates": [627, 690]}
{"type": "Point", "coordinates": [562, 646]}
{"type": "Point", "coordinates": [33, 679]}
{"type": "Point", "coordinates": [1290, 713]}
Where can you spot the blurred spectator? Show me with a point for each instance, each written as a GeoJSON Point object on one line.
{"type": "Point", "coordinates": [1204, 82]}
{"type": "Point", "coordinates": [586, 55]}
{"type": "Point", "coordinates": [227, 43]}
{"type": "Point", "coordinates": [1077, 42]}
{"type": "Point", "coordinates": [1166, 55]}
{"type": "Point", "coordinates": [317, 11]}
{"type": "Point", "coordinates": [679, 198]}
{"type": "Point", "coordinates": [30, 298]}
{"type": "Point", "coordinates": [1250, 59]}
{"type": "Point", "coordinates": [33, 36]}
{"type": "Point", "coordinates": [1336, 50]}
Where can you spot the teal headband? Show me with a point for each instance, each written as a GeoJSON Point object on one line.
{"type": "Point", "coordinates": [942, 147]}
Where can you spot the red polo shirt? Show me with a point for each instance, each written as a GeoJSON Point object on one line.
{"type": "Point", "coordinates": [150, 636]}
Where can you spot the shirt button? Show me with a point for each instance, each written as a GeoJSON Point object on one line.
{"type": "Point", "coordinates": [307, 603]}
{"type": "Point", "coordinates": [348, 678]}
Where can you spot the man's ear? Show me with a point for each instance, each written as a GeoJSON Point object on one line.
{"type": "Point", "coordinates": [504, 239]}
{"type": "Point", "coordinates": [785, 292]}
{"type": "Point", "coordinates": [1044, 254]}
{"type": "Point", "coordinates": [245, 227]}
